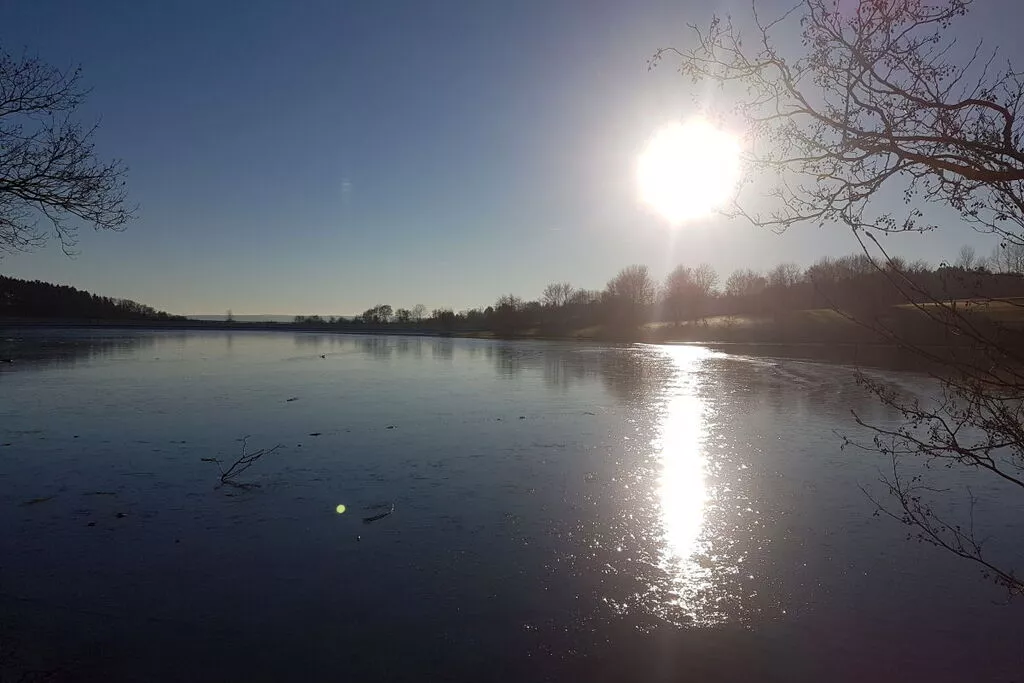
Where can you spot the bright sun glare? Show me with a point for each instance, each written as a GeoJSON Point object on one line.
{"type": "Point", "coordinates": [688, 170]}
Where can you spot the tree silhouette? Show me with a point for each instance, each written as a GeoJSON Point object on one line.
{"type": "Point", "coordinates": [557, 294]}
{"type": "Point", "coordinates": [1008, 257]}
{"type": "Point", "coordinates": [508, 316]}
{"type": "Point", "coordinates": [48, 170]}
{"type": "Point", "coordinates": [687, 292]}
{"type": "Point", "coordinates": [966, 258]}
{"type": "Point", "coordinates": [35, 299]}
{"type": "Point", "coordinates": [445, 318]}
{"type": "Point", "coordinates": [873, 99]}
{"type": "Point", "coordinates": [629, 295]}
{"type": "Point", "coordinates": [745, 283]}
{"type": "Point", "coordinates": [378, 315]}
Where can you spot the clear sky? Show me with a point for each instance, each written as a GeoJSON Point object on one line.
{"type": "Point", "coordinates": [322, 157]}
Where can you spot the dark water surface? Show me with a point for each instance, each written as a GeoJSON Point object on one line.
{"type": "Point", "coordinates": [561, 512]}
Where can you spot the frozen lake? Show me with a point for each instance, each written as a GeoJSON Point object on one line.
{"type": "Point", "coordinates": [560, 511]}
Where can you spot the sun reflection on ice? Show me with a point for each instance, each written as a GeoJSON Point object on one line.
{"type": "Point", "coordinates": [682, 488]}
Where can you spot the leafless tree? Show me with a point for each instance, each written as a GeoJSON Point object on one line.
{"type": "Point", "coordinates": [687, 291]}
{"type": "Point", "coordinates": [706, 279]}
{"type": "Point", "coordinates": [630, 294]}
{"type": "Point", "coordinates": [918, 266]}
{"type": "Point", "coordinates": [445, 317]}
{"type": "Point", "coordinates": [509, 302]}
{"type": "Point", "coordinates": [824, 270]}
{"type": "Point", "coordinates": [784, 275]}
{"type": "Point", "coordinates": [585, 297]}
{"type": "Point", "coordinates": [877, 98]}
{"type": "Point", "coordinates": [49, 172]}
{"type": "Point", "coordinates": [418, 312]}
{"type": "Point", "coordinates": [557, 294]}
{"type": "Point", "coordinates": [378, 315]}
{"type": "Point", "coordinates": [1007, 257]}
{"type": "Point", "coordinates": [967, 258]}
{"type": "Point", "coordinates": [632, 284]}
{"type": "Point", "coordinates": [677, 294]}
{"type": "Point", "coordinates": [744, 282]}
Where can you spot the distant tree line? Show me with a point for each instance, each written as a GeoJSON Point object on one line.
{"type": "Point", "coordinates": [853, 284]}
{"type": "Point", "coordinates": [36, 299]}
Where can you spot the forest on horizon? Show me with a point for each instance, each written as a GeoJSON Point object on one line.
{"type": "Point", "coordinates": [854, 284]}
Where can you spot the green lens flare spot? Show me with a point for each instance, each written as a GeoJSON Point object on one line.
{"type": "Point", "coordinates": [340, 509]}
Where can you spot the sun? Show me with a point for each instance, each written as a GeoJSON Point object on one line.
{"type": "Point", "coordinates": [687, 170]}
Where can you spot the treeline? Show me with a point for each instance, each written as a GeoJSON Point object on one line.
{"type": "Point", "coordinates": [857, 285]}
{"type": "Point", "coordinates": [853, 283]}
{"type": "Point", "coordinates": [36, 299]}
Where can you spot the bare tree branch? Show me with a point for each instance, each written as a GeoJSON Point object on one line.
{"type": "Point", "coordinates": [878, 99]}
{"type": "Point", "coordinates": [49, 172]}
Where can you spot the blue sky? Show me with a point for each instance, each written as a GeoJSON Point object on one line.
{"type": "Point", "coordinates": [323, 157]}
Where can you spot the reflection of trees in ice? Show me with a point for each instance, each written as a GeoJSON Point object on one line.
{"type": "Point", "coordinates": [41, 348]}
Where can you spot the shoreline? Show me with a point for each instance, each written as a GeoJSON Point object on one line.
{"type": "Point", "coordinates": [873, 354]}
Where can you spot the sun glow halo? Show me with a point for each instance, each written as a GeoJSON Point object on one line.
{"type": "Point", "coordinates": [687, 170]}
